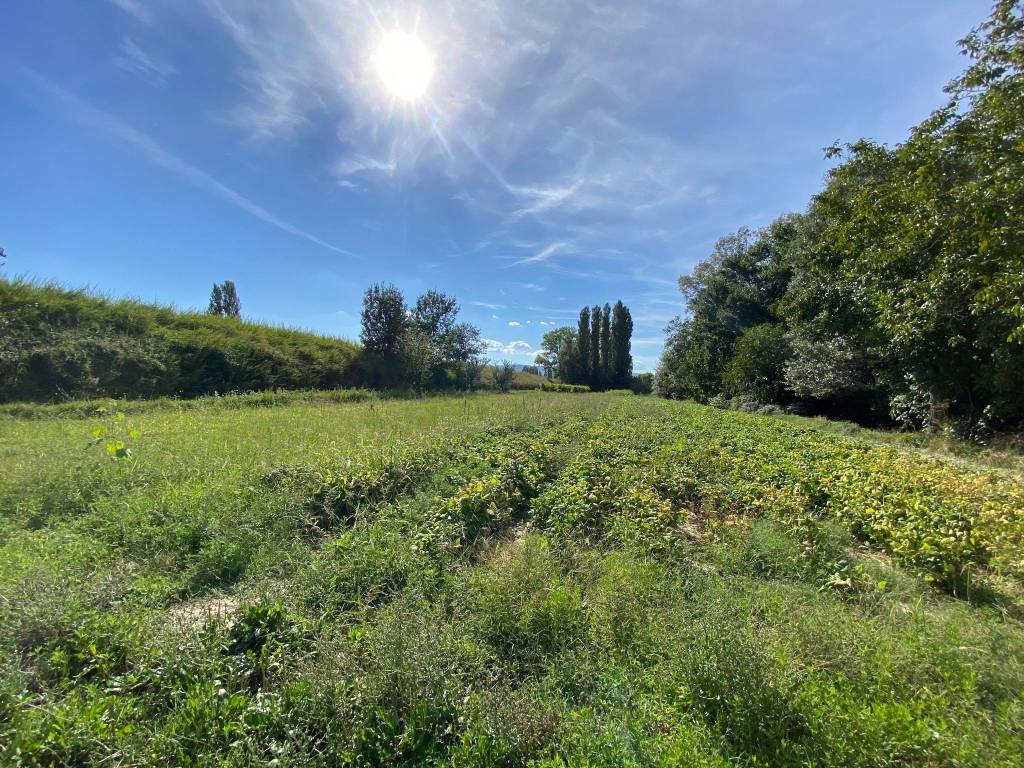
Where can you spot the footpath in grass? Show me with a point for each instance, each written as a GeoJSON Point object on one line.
{"type": "Point", "coordinates": [538, 579]}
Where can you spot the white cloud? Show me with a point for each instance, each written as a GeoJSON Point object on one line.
{"type": "Point", "coordinates": [514, 323]}
{"type": "Point", "coordinates": [487, 305]}
{"type": "Point", "coordinates": [517, 347]}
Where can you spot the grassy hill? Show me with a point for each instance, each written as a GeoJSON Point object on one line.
{"type": "Point", "coordinates": [537, 579]}
{"type": "Point", "coordinates": [57, 344]}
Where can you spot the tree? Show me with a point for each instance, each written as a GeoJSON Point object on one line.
{"type": "Point", "coordinates": [606, 344]}
{"type": "Point", "coordinates": [3, 254]}
{"type": "Point", "coordinates": [504, 376]}
{"type": "Point", "coordinates": [739, 286]}
{"type": "Point", "coordinates": [903, 283]}
{"type": "Point", "coordinates": [224, 301]}
{"type": "Point", "coordinates": [384, 319]}
{"type": "Point", "coordinates": [216, 306]}
{"type": "Point", "coordinates": [757, 366]}
{"type": "Point", "coordinates": [435, 314]}
{"type": "Point", "coordinates": [594, 363]}
{"type": "Point", "coordinates": [582, 364]}
{"type": "Point", "coordinates": [419, 357]}
{"type": "Point", "coordinates": [620, 343]}
{"type": "Point", "coordinates": [472, 371]}
{"type": "Point", "coordinates": [232, 304]}
{"type": "Point", "coordinates": [642, 384]}
{"type": "Point", "coordinates": [559, 354]}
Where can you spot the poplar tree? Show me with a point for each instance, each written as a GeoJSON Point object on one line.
{"type": "Point", "coordinates": [621, 334]}
{"type": "Point", "coordinates": [216, 306]}
{"type": "Point", "coordinates": [583, 351]}
{"type": "Point", "coordinates": [595, 347]}
{"type": "Point", "coordinates": [232, 305]}
{"type": "Point", "coordinates": [224, 301]}
{"type": "Point", "coordinates": [606, 362]}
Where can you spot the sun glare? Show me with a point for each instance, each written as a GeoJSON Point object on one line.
{"type": "Point", "coordinates": [404, 65]}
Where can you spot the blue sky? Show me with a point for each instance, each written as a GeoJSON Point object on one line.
{"type": "Point", "coordinates": [564, 153]}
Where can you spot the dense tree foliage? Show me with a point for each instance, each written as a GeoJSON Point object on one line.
{"type": "Point", "coordinates": [224, 301]}
{"type": "Point", "coordinates": [558, 354]}
{"type": "Point", "coordinates": [423, 347]}
{"type": "Point", "coordinates": [384, 319]}
{"type": "Point", "coordinates": [899, 294]}
{"type": "Point", "coordinates": [596, 353]}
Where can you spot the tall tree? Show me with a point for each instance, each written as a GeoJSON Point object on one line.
{"type": "Point", "coordinates": [595, 348]}
{"type": "Point", "coordinates": [435, 313]}
{"type": "Point", "coordinates": [606, 344]}
{"type": "Point", "coordinates": [224, 301]}
{"type": "Point", "coordinates": [232, 304]}
{"type": "Point", "coordinates": [582, 372]}
{"type": "Point", "coordinates": [384, 319]}
{"type": "Point", "coordinates": [216, 306]}
{"type": "Point", "coordinates": [621, 361]}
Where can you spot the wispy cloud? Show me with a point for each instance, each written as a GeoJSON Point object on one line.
{"type": "Point", "coordinates": [586, 173]}
{"type": "Point", "coordinates": [115, 130]}
{"type": "Point", "coordinates": [542, 255]}
{"type": "Point", "coordinates": [137, 9]}
{"type": "Point", "coordinates": [514, 323]}
{"type": "Point", "coordinates": [131, 58]}
{"type": "Point", "coordinates": [487, 305]}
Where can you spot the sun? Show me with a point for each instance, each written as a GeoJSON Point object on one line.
{"type": "Point", "coordinates": [404, 65]}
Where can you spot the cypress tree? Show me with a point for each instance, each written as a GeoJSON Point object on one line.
{"type": "Point", "coordinates": [595, 347]}
{"type": "Point", "coordinates": [606, 361]}
{"type": "Point", "coordinates": [583, 351]}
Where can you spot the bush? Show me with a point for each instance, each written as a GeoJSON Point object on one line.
{"type": "Point", "coordinates": [557, 386]}
{"type": "Point", "coordinates": [642, 384]}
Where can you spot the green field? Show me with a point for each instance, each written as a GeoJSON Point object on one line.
{"type": "Point", "coordinates": [530, 579]}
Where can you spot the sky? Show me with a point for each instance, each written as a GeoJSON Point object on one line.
{"type": "Point", "coordinates": [560, 154]}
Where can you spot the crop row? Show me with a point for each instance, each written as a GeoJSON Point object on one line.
{"type": "Point", "coordinates": [645, 471]}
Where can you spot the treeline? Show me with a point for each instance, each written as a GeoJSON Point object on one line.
{"type": "Point", "coordinates": [596, 353]}
{"type": "Point", "coordinates": [898, 296]}
{"type": "Point", "coordinates": [58, 344]}
{"type": "Point", "coordinates": [423, 346]}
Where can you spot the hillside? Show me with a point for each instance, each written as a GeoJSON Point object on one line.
{"type": "Point", "coordinates": [57, 344]}
{"type": "Point", "coordinates": [534, 579]}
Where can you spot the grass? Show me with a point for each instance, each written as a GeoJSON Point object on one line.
{"type": "Point", "coordinates": [57, 344]}
{"type": "Point", "coordinates": [539, 579]}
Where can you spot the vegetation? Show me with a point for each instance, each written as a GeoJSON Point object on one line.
{"type": "Point", "coordinates": [533, 579]}
{"type": "Point", "coordinates": [898, 295]}
{"type": "Point", "coordinates": [596, 354]}
{"type": "Point", "coordinates": [57, 344]}
{"type": "Point", "coordinates": [224, 301]}
{"type": "Point", "coordinates": [423, 347]}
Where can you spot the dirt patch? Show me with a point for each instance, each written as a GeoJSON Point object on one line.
{"type": "Point", "coordinates": [194, 613]}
